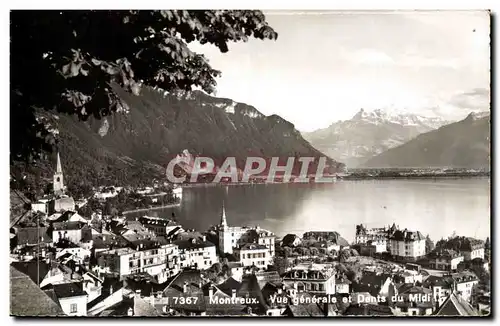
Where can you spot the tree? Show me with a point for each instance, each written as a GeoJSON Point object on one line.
{"type": "Point", "coordinates": [287, 251]}
{"type": "Point", "coordinates": [76, 62]}
{"type": "Point", "coordinates": [344, 255]}
{"type": "Point", "coordinates": [354, 253]}
{"type": "Point", "coordinates": [281, 264]}
{"type": "Point", "coordinates": [487, 244]}
{"type": "Point", "coordinates": [429, 245]}
{"type": "Point", "coordinates": [314, 251]}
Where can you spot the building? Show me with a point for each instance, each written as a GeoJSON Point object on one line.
{"type": "Point", "coordinates": [233, 236]}
{"type": "Point", "coordinates": [460, 283]}
{"type": "Point", "coordinates": [74, 232]}
{"type": "Point", "coordinates": [455, 305]}
{"type": "Point", "coordinates": [315, 279]}
{"type": "Point", "coordinates": [253, 254]}
{"type": "Point", "coordinates": [28, 300]}
{"type": "Point", "coordinates": [197, 253]}
{"type": "Point", "coordinates": [160, 226]}
{"type": "Point", "coordinates": [39, 206]}
{"type": "Point", "coordinates": [342, 284]}
{"type": "Point", "coordinates": [445, 259]}
{"type": "Point", "coordinates": [472, 248]}
{"type": "Point", "coordinates": [58, 179]}
{"type": "Point", "coordinates": [290, 240]}
{"type": "Point", "coordinates": [414, 301]}
{"type": "Point", "coordinates": [61, 204]}
{"type": "Point", "coordinates": [72, 298]}
{"type": "Point", "coordinates": [407, 245]}
{"type": "Point", "coordinates": [153, 259]}
{"type": "Point", "coordinates": [371, 236]}
{"type": "Point", "coordinates": [41, 272]}
{"type": "Point", "coordinates": [464, 282]}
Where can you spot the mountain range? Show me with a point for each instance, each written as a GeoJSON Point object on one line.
{"type": "Point", "coordinates": [463, 144]}
{"type": "Point", "coordinates": [157, 126]}
{"type": "Point", "coordinates": [370, 133]}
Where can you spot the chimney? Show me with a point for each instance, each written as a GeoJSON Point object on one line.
{"type": "Point", "coordinates": [184, 287]}
{"type": "Point", "coordinates": [204, 238]}
{"type": "Point", "coordinates": [233, 293]}
{"type": "Point", "coordinates": [211, 291]}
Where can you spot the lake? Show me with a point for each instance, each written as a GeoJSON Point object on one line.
{"type": "Point", "coordinates": [437, 207]}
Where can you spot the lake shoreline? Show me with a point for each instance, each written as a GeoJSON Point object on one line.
{"type": "Point", "coordinates": [347, 178]}
{"type": "Point", "coordinates": [151, 208]}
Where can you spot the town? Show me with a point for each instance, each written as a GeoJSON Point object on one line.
{"type": "Point", "coordinates": [69, 259]}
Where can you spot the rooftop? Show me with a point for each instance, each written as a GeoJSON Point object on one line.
{"type": "Point", "coordinates": [27, 299]}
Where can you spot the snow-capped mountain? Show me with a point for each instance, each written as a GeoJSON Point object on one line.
{"type": "Point", "coordinates": [369, 133]}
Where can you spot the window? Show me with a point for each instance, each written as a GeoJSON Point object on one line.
{"type": "Point", "coordinates": [73, 308]}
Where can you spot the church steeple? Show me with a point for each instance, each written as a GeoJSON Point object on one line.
{"type": "Point", "coordinates": [58, 167]}
{"type": "Point", "coordinates": [223, 221]}
{"type": "Point", "coordinates": [58, 178]}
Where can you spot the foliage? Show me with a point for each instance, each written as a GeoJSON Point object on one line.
{"type": "Point", "coordinates": [344, 255]}
{"type": "Point", "coordinates": [429, 244]}
{"type": "Point", "coordinates": [281, 264]}
{"type": "Point", "coordinates": [78, 57]}
{"type": "Point", "coordinates": [288, 251]}
{"type": "Point", "coordinates": [354, 253]}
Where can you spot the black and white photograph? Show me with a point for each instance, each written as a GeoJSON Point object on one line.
{"type": "Point", "coordinates": [250, 163]}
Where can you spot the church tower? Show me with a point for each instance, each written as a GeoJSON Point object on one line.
{"type": "Point", "coordinates": [223, 221]}
{"type": "Point", "coordinates": [58, 178]}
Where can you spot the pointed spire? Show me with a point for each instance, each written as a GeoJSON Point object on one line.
{"type": "Point", "coordinates": [58, 167]}
{"type": "Point", "coordinates": [223, 221]}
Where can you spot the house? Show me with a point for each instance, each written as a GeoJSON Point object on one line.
{"type": "Point", "coordinates": [28, 300]}
{"type": "Point", "coordinates": [187, 284]}
{"type": "Point", "coordinates": [331, 236]}
{"type": "Point", "coordinates": [414, 301]}
{"type": "Point", "coordinates": [407, 245]}
{"type": "Point", "coordinates": [77, 253]}
{"type": "Point", "coordinates": [75, 232]}
{"type": "Point", "coordinates": [29, 236]}
{"type": "Point", "coordinates": [441, 288]}
{"type": "Point", "coordinates": [455, 305]}
{"type": "Point", "coordinates": [68, 216]}
{"type": "Point", "coordinates": [372, 237]}
{"type": "Point", "coordinates": [464, 283]}
{"type": "Point", "coordinates": [408, 277]}
{"type": "Point", "coordinates": [375, 283]}
{"type": "Point", "coordinates": [196, 253]}
{"type": "Point", "coordinates": [267, 277]}
{"type": "Point", "coordinates": [41, 272]}
{"type": "Point", "coordinates": [312, 279]}
{"type": "Point", "coordinates": [461, 283]}
{"type": "Point", "coordinates": [342, 284]}
{"type": "Point", "coordinates": [72, 298]}
{"type": "Point", "coordinates": [61, 204]}
{"type": "Point", "coordinates": [92, 285]}
{"type": "Point", "coordinates": [253, 255]}
{"type": "Point", "coordinates": [160, 226]}
{"type": "Point", "coordinates": [472, 248]}
{"type": "Point", "coordinates": [39, 206]}
{"type": "Point", "coordinates": [160, 261]}
{"type": "Point", "coordinates": [236, 270]}
{"type": "Point", "coordinates": [290, 240]}
{"type": "Point", "coordinates": [276, 298]}
{"type": "Point", "coordinates": [445, 259]}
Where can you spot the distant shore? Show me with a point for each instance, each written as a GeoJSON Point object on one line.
{"type": "Point", "coordinates": [151, 208]}
{"type": "Point", "coordinates": [353, 177]}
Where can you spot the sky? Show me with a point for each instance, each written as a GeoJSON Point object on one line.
{"type": "Point", "coordinates": [326, 66]}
